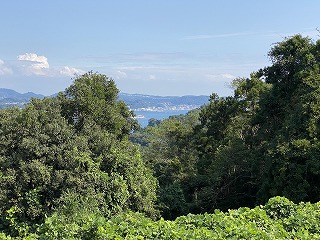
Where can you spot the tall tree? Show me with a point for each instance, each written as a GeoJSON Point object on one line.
{"type": "Point", "coordinates": [288, 122]}
{"type": "Point", "coordinates": [94, 96]}
{"type": "Point", "coordinates": [48, 159]}
{"type": "Point", "coordinates": [225, 178]}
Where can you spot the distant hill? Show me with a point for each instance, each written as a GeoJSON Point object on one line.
{"type": "Point", "coordinates": [9, 93]}
{"type": "Point", "coordinates": [138, 102]}
{"type": "Point", "coordinates": [9, 97]}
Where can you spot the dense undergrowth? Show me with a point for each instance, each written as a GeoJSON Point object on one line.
{"type": "Point", "coordinates": [278, 219]}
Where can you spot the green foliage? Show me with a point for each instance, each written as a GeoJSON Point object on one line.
{"type": "Point", "coordinates": [224, 139]}
{"type": "Point", "coordinates": [278, 219]}
{"type": "Point", "coordinates": [94, 97]}
{"type": "Point", "coordinates": [287, 136]}
{"type": "Point", "coordinates": [69, 171]}
{"type": "Point", "coordinates": [243, 149]}
{"type": "Point", "coordinates": [50, 161]}
{"type": "Point", "coordinates": [279, 207]}
{"type": "Point", "coordinates": [167, 147]}
{"type": "Point", "coordinates": [263, 141]}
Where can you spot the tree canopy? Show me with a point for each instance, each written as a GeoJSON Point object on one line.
{"type": "Point", "coordinates": [261, 142]}
{"type": "Point", "coordinates": [72, 146]}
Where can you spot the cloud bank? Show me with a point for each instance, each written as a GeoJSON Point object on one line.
{"type": "Point", "coordinates": [34, 64]}
{"type": "Point", "coordinates": [31, 64]}
{"type": "Point", "coordinates": [70, 71]}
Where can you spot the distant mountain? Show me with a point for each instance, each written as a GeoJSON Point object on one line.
{"type": "Point", "coordinates": [137, 102]}
{"type": "Point", "coordinates": [140, 102]}
{"type": "Point", "coordinates": [9, 93]}
{"type": "Point", "coordinates": [9, 97]}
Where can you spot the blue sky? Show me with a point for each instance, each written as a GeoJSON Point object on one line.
{"type": "Point", "coordinates": [176, 47]}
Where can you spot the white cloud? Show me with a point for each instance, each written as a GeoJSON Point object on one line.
{"type": "Point", "coordinates": [220, 76]}
{"type": "Point", "coordinates": [228, 76]}
{"type": "Point", "coordinates": [4, 70]}
{"type": "Point", "coordinates": [120, 74]}
{"type": "Point", "coordinates": [70, 71]}
{"type": "Point", "coordinates": [34, 64]}
{"type": "Point", "coordinates": [152, 77]}
{"type": "Point", "coordinates": [41, 61]}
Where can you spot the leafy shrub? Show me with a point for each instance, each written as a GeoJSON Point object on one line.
{"type": "Point", "coordinates": [279, 207]}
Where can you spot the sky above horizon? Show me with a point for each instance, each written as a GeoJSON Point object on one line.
{"type": "Point", "coordinates": [178, 47]}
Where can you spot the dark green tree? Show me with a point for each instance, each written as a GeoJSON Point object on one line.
{"type": "Point", "coordinates": [225, 176]}
{"type": "Point", "coordinates": [168, 149]}
{"type": "Point", "coordinates": [288, 122]}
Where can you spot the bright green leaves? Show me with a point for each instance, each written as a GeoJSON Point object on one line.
{"type": "Point", "coordinates": [278, 219]}
{"type": "Point", "coordinates": [94, 97]}
{"type": "Point", "coordinates": [279, 208]}
{"type": "Point", "coordinates": [71, 152]}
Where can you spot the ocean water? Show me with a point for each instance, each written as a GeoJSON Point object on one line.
{"type": "Point", "coordinates": [156, 115]}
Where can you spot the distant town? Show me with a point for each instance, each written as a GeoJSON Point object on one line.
{"type": "Point", "coordinates": [136, 102]}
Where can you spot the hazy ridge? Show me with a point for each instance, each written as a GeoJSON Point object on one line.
{"type": "Point", "coordinates": [137, 102]}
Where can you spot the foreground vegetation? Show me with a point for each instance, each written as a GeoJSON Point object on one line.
{"type": "Point", "coordinates": [77, 166]}
{"type": "Point", "coordinates": [278, 219]}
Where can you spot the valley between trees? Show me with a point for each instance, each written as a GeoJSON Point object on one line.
{"type": "Point", "coordinates": [78, 166]}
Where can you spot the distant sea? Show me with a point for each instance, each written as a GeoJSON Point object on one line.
{"type": "Point", "coordinates": [157, 115]}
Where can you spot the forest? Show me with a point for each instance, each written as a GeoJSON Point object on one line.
{"type": "Point", "coordinates": [246, 166]}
